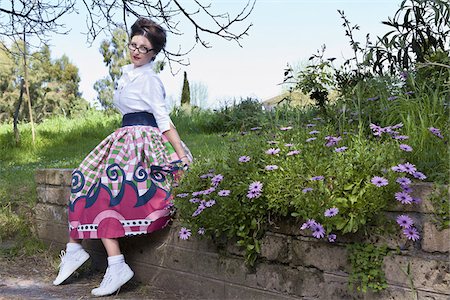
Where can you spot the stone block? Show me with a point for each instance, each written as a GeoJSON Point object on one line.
{"type": "Point", "coordinates": [52, 213]}
{"type": "Point", "coordinates": [434, 240]}
{"type": "Point", "coordinates": [300, 282]}
{"type": "Point", "coordinates": [335, 287]}
{"type": "Point", "coordinates": [427, 273]}
{"type": "Point", "coordinates": [321, 255]}
{"type": "Point", "coordinates": [51, 232]}
{"type": "Point", "coordinates": [54, 176]}
{"type": "Point", "coordinates": [275, 247]}
{"type": "Point", "coordinates": [239, 292]}
{"type": "Point", "coordinates": [58, 195]}
{"type": "Point", "coordinates": [179, 282]}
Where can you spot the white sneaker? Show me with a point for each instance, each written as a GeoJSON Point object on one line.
{"type": "Point", "coordinates": [70, 262]}
{"type": "Point", "coordinates": [113, 281]}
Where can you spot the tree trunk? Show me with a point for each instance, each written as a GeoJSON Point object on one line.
{"type": "Point", "coordinates": [25, 71]}
{"type": "Point", "coordinates": [16, 114]}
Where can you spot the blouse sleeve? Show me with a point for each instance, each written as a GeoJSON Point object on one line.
{"type": "Point", "coordinates": [154, 94]}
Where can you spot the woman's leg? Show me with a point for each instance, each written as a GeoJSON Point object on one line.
{"type": "Point", "coordinates": [117, 273]}
{"type": "Point", "coordinates": [112, 246]}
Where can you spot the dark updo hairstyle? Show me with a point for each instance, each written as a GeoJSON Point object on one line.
{"type": "Point", "coordinates": [152, 31]}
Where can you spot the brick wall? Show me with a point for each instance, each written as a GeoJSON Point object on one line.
{"type": "Point", "coordinates": [292, 266]}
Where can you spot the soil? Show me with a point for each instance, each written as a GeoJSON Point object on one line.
{"type": "Point", "coordinates": [30, 277]}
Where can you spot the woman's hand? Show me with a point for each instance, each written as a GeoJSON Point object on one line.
{"type": "Point", "coordinates": [185, 161]}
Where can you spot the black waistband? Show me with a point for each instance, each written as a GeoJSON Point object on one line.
{"type": "Point", "coordinates": [139, 118]}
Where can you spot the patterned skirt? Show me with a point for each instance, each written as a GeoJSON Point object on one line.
{"type": "Point", "coordinates": [123, 187]}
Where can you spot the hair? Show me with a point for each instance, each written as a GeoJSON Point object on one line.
{"type": "Point", "coordinates": [152, 31]}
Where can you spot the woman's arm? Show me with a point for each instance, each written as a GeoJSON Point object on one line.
{"type": "Point", "coordinates": [174, 139]}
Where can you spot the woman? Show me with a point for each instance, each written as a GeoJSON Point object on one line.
{"type": "Point", "coordinates": [123, 186]}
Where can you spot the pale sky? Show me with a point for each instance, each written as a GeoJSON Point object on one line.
{"type": "Point", "coordinates": [283, 31]}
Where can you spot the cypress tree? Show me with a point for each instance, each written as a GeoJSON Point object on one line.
{"type": "Point", "coordinates": [185, 93]}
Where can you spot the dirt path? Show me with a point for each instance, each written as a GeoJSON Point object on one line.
{"type": "Point", "coordinates": [31, 278]}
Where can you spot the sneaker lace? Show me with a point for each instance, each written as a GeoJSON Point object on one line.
{"type": "Point", "coordinates": [62, 255]}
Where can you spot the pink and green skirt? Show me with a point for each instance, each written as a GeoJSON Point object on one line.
{"type": "Point", "coordinates": [123, 187]}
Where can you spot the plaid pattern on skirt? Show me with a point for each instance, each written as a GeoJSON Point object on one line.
{"type": "Point", "coordinates": [123, 187]}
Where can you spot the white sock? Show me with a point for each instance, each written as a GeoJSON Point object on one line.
{"type": "Point", "coordinates": [115, 260]}
{"type": "Point", "coordinates": [73, 247]}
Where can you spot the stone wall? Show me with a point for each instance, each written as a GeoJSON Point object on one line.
{"type": "Point", "coordinates": [292, 266]}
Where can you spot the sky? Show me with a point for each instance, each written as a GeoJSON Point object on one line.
{"type": "Point", "coordinates": [282, 32]}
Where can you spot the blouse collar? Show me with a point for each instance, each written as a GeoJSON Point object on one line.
{"type": "Point", "coordinates": [133, 72]}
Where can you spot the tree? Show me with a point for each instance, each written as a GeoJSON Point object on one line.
{"type": "Point", "coordinates": [42, 17]}
{"type": "Point", "coordinates": [185, 93]}
{"type": "Point", "coordinates": [53, 85]}
{"type": "Point", "coordinates": [199, 93]}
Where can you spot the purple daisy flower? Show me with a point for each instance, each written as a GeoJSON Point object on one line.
{"type": "Point", "coordinates": [317, 118]}
{"type": "Point", "coordinates": [332, 140]}
{"type": "Point", "coordinates": [255, 128]}
{"type": "Point", "coordinates": [195, 194]}
{"type": "Point", "coordinates": [419, 175]}
{"type": "Point", "coordinates": [208, 175]}
{"type": "Point", "coordinates": [272, 142]}
{"type": "Point", "coordinates": [331, 212]}
{"type": "Point", "coordinates": [194, 200]}
{"type": "Point", "coordinates": [293, 152]}
{"type": "Point", "coordinates": [253, 194]}
{"type": "Point", "coordinates": [201, 231]}
{"type": "Point", "coordinates": [244, 158]}
{"type": "Point", "coordinates": [403, 180]}
{"type": "Point", "coordinates": [331, 237]}
{"type": "Point", "coordinates": [255, 186]}
{"type": "Point", "coordinates": [404, 221]}
{"type": "Point", "coordinates": [306, 190]}
{"type": "Point", "coordinates": [406, 148]}
{"type": "Point", "coordinates": [411, 233]}
{"type": "Point", "coordinates": [406, 188]}
{"type": "Point", "coordinates": [403, 197]}
{"type": "Point", "coordinates": [184, 233]}
{"type": "Point", "coordinates": [182, 195]}
{"type": "Point", "coordinates": [209, 191]}
{"type": "Point", "coordinates": [210, 203]}
{"type": "Point", "coordinates": [314, 132]}
{"type": "Point", "coordinates": [271, 167]}
{"type": "Point", "coordinates": [224, 193]}
{"type": "Point", "coordinates": [340, 149]}
{"type": "Point", "coordinates": [217, 179]}
{"type": "Point", "coordinates": [286, 128]}
{"type": "Point", "coordinates": [392, 98]}
{"type": "Point", "coordinates": [317, 231]}
{"type": "Point", "coordinates": [272, 151]}
{"type": "Point", "coordinates": [310, 125]}
{"type": "Point", "coordinates": [397, 168]}
{"type": "Point", "coordinates": [401, 137]}
{"type": "Point", "coordinates": [379, 181]}
{"type": "Point", "coordinates": [317, 178]}
{"type": "Point", "coordinates": [416, 200]}
{"type": "Point", "coordinates": [409, 168]}
{"type": "Point", "coordinates": [310, 139]}
{"type": "Point", "coordinates": [436, 132]}
{"type": "Point", "coordinates": [308, 224]}
{"type": "Point", "coordinates": [373, 98]}
{"type": "Point", "coordinates": [289, 145]}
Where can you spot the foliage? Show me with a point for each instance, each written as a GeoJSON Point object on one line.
{"type": "Point", "coordinates": [185, 92]}
{"type": "Point", "coordinates": [419, 28]}
{"type": "Point", "coordinates": [440, 199]}
{"type": "Point", "coordinates": [299, 177]}
{"type": "Point", "coordinates": [316, 79]}
{"type": "Point", "coordinates": [53, 85]}
{"type": "Point", "coordinates": [367, 261]}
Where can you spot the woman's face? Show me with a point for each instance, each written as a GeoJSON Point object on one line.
{"type": "Point", "coordinates": [138, 45]}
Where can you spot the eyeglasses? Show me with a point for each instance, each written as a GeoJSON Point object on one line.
{"type": "Point", "coordinates": [141, 49]}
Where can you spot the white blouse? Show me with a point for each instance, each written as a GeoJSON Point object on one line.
{"type": "Point", "coordinates": [140, 89]}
